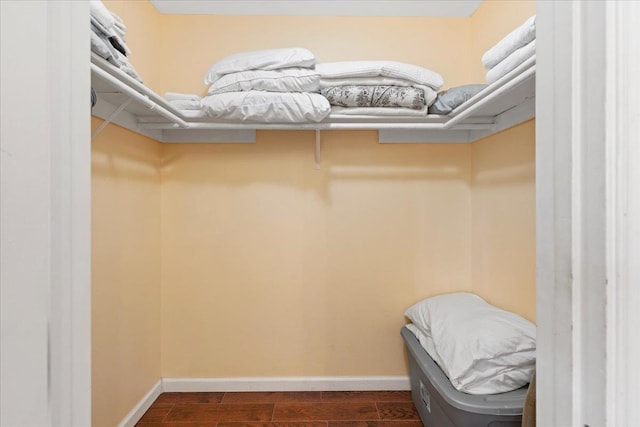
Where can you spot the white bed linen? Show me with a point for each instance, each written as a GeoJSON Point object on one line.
{"type": "Point", "coordinates": [284, 80]}
{"type": "Point", "coordinates": [378, 111]}
{"type": "Point", "coordinates": [99, 11]}
{"type": "Point", "coordinates": [267, 107]}
{"type": "Point", "coordinates": [186, 104]}
{"type": "Point", "coordinates": [176, 96]}
{"type": "Point", "coordinates": [425, 341]}
{"type": "Point", "coordinates": [511, 62]}
{"type": "Point", "coordinates": [268, 59]}
{"type": "Point", "coordinates": [199, 115]}
{"type": "Point", "coordinates": [368, 81]}
{"type": "Point", "coordinates": [107, 22]}
{"type": "Point", "coordinates": [516, 39]}
{"type": "Point", "coordinates": [118, 23]}
{"type": "Point", "coordinates": [392, 69]}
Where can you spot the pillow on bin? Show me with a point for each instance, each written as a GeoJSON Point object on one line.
{"type": "Point", "coordinates": [481, 348]}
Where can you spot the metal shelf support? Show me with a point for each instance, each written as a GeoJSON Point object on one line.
{"type": "Point", "coordinates": [112, 116]}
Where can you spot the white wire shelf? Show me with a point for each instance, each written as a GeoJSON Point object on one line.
{"type": "Point", "coordinates": [128, 103]}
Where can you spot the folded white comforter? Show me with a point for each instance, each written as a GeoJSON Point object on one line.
{"type": "Point", "coordinates": [511, 62]}
{"type": "Point", "coordinates": [282, 80]}
{"type": "Point", "coordinates": [186, 104]}
{"type": "Point", "coordinates": [267, 107]}
{"type": "Point", "coordinates": [177, 96]}
{"type": "Point", "coordinates": [516, 39]}
{"type": "Point", "coordinates": [371, 69]}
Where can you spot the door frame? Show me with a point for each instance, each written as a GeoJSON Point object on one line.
{"type": "Point", "coordinates": [70, 125]}
{"type": "Point", "coordinates": [587, 213]}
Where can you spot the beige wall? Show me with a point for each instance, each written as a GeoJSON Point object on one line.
{"type": "Point", "coordinates": [262, 253]}
{"type": "Point", "coordinates": [442, 44]}
{"type": "Point", "coordinates": [125, 272]}
{"type": "Point", "coordinates": [274, 268]}
{"type": "Point", "coordinates": [504, 219]}
{"type": "Point", "coordinates": [503, 184]}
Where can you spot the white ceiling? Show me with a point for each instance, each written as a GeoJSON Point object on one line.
{"type": "Point", "coordinates": [319, 7]}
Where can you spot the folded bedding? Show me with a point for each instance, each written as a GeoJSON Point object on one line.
{"type": "Point", "coordinates": [283, 80]}
{"type": "Point", "coordinates": [375, 96]}
{"type": "Point", "coordinates": [105, 22]}
{"type": "Point", "coordinates": [516, 39]}
{"type": "Point", "coordinates": [267, 107]}
{"type": "Point", "coordinates": [369, 81]}
{"type": "Point", "coordinates": [105, 49]}
{"type": "Point", "coordinates": [377, 111]}
{"type": "Point", "coordinates": [107, 38]}
{"type": "Point", "coordinates": [118, 24]}
{"type": "Point", "coordinates": [176, 96]}
{"type": "Point", "coordinates": [481, 348]}
{"type": "Point", "coordinates": [199, 115]}
{"type": "Point", "coordinates": [186, 104]}
{"type": "Point", "coordinates": [380, 88]}
{"type": "Point", "coordinates": [99, 11]}
{"type": "Point", "coordinates": [268, 59]}
{"type": "Point", "coordinates": [102, 49]}
{"type": "Point", "coordinates": [511, 62]}
{"type": "Point", "coordinates": [392, 69]}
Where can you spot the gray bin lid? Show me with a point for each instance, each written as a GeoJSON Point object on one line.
{"type": "Point", "coordinates": [510, 403]}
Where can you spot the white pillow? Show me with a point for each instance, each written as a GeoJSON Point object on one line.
{"type": "Point", "coordinates": [481, 348]}
{"type": "Point", "coordinates": [285, 80]}
{"type": "Point", "coordinates": [267, 107]}
{"type": "Point", "coordinates": [425, 341]}
{"type": "Point", "coordinates": [268, 59]}
{"type": "Point", "coordinates": [398, 70]}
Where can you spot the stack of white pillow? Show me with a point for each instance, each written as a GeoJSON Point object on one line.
{"type": "Point", "coordinates": [481, 348]}
{"type": "Point", "coordinates": [514, 49]}
{"type": "Point", "coordinates": [270, 86]}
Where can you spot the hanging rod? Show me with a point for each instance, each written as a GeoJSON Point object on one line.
{"type": "Point", "coordinates": [489, 98]}
{"type": "Point", "coordinates": [143, 99]}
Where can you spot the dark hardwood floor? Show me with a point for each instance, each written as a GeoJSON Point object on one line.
{"type": "Point", "coordinates": [283, 409]}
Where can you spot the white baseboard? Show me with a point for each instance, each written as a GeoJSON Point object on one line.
{"type": "Point", "coordinates": [286, 384]}
{"type": "Point", "coordinates": [145, 403]}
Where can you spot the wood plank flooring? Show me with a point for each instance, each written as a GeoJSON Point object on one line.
{"type": "Point", "coordinates": [283, 409]}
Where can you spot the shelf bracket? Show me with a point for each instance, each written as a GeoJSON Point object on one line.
{"type": "Point", "coordinates": [318, 148]}
{"type": "Point", "coordinates": [111, 117]}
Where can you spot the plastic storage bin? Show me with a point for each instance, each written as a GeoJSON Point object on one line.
{"type": "Point", "coordinates": [441, 405]}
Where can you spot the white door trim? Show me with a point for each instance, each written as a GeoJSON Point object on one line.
{"type": "Point", "coordinates": [70, 145]}
{"type": "Point", "coordinates": [45, 223]}
{"type": "Point", "coordinates": [623, 212]}
{"type": "Point", "coordinates": [554, 298]}
{"type": "Point", "coordinates": [588, 213]}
